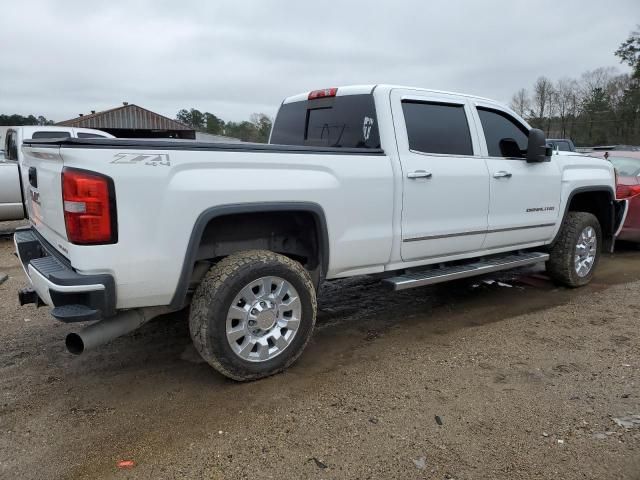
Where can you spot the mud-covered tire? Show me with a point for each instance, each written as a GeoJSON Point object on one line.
{"type": "Point", "coordinates": [561, 266]}
{"type": "Point", "coordinates": [214, 297]}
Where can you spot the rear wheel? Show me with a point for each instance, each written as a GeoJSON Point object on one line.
{"type": "Point", "coordinates": [253, 314]}
{"type": "Point", "coordinates": [576, 252]}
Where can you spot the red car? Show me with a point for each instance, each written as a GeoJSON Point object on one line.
{"type": "Point", "coordinates": [627, 165]}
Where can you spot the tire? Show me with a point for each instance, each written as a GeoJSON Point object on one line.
{"type": "Point", "coordinates": [562, 265]}
{"type": "Point", "coordinates": [253, 281]}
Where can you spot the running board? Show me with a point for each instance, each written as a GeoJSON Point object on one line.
{"type": "Point", "coordinates": [444, 274]}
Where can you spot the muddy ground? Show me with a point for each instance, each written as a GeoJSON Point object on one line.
{"type": "Point", "coordinates": [525, 380]}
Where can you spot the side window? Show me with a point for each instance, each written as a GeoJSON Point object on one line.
{"type": "Point", "coordinates": [89, 135]}
{"type": "Point", "coordinates": [7, 144]}
{"type": "Point", "coordinates": [49, 134]}
{"type": "Point", "coordinates": [12, 148]}
{"type": "Point", "coordinates": [437, 128]}
{"type": "Point", "coordinates": [500, 126]}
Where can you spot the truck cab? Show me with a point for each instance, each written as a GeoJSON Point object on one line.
{"type": "Point", "coordinates": [463, 183]}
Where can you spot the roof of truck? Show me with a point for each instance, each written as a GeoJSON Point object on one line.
{"type": "Point", "coordinates": [367, 89]}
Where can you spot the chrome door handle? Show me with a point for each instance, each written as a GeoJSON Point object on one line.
{"type": "Point", "coordinates": [419, 174]}
{"type": "Point", "coordinates": [502, 174]}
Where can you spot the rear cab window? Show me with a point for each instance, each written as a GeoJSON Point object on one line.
{"type": "Point", "coordinates": [562, 146]}
{"type": "Point", "coordinates": [347, 121]}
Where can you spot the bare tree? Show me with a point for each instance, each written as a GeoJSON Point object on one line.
{"type": "Point", "coordinates": [594, 88]}
{"type": "Point", "coordinates": [566, 102]}
{"type": "Point", "coordinates": [542, 91]}
{"type": "Point", "coordinates": [596, 79]}
{"type": "Point", "coordinates": [521, 103]}
{"type": "Point", "coordinates": [617, 90]}
{"type": "Point", "coordinates": [601, 107]}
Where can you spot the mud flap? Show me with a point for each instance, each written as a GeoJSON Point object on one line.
{"type": "Point", "coordinates": [620, 209]}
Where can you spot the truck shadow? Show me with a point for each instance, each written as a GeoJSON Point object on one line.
{"type": "Point", "coordinates": [357, 311]}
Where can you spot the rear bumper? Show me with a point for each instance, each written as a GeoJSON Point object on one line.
{"type": "Point", "coordinates": [73, 296]}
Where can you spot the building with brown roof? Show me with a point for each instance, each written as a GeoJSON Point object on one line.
{"type": "Point", "coordinates": [132, 121]}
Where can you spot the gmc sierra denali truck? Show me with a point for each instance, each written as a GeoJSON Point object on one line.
{"type": "Point", "coordinates": [415, 186]}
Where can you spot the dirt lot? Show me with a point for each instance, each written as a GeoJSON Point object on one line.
{"type": "Point", "coordinates": [525, 380]}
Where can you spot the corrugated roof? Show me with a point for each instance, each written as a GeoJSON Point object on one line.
{"type": "Point", "coordinates": [128, 117]}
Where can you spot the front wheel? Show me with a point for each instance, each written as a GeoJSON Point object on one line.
{"type": "Point", "coordinates": [253, 314]}
{"type": "Point", "coordinates": [576, 252]}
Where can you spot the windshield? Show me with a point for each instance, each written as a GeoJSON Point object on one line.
{"type": "Point", "coordinates": [349, 121]}
{"type": "Point", "coordinates": [627, 167]}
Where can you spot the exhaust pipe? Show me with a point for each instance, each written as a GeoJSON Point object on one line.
{"type": "Point", "coordinates": [111, 328]}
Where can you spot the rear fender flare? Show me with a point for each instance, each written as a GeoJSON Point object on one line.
{"type": "Point", "coordinates": [180, 294]}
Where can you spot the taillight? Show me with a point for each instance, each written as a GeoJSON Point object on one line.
{"type": "Point", "coordinates": [89, 207]}
{"type": "Point", "coordinates": [327, 92]}
{"type": "Point", "coordinates": [625, 192]}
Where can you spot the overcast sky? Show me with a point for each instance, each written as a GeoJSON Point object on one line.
{"type": "Point", "coordinates": [232, 58]}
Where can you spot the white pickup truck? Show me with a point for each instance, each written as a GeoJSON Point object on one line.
{"type": "Point", "coordinates": [412, 185]}
{"type": "Point", "coordinates": [11, 201]}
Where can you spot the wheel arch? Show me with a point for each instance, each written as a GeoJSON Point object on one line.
{"type": "Point", "coordinates": [598, 200]}
{"type": "Point", "coordinates": [191, 256]}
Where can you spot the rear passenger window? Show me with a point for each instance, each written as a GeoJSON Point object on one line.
{"type": "Point", "coordinates": [46, 134]}
{"type": "Point", "coordinates": [437, 128]}
{"type": "Point", "coordinates": [499, 126]}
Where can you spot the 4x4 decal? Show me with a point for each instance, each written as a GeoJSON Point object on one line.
{"type": "Point", "coordinates": [152, 159]}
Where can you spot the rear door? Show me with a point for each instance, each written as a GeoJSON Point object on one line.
{"type": "Point", "coordinates": [445, 181]}
{"type": "Point", "coordinates": [525, 197]}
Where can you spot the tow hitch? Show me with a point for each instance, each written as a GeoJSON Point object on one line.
{"type": "Point", "coordinates": [29, 295]}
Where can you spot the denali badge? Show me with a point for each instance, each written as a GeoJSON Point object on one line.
{"type": "Point", "coordinates": [540, 209]}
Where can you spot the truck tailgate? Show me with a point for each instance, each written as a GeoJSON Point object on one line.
{"type": "Point", "coordinates": [42, 183]}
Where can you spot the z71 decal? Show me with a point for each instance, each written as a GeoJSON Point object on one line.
{"type": "Point", "coordinates": [152, 159]}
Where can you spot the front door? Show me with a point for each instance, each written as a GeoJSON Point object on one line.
{"type": "Point", "coordinates": [524, 197]}
{"type": "Point", "coordinates": [445, 181]}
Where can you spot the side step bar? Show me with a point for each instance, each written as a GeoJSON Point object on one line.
{"type": "Point", "coordinates": [453, 272]}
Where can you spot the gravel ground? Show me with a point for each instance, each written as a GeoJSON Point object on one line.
{"type": "Point", "coordinates": [469, 380]}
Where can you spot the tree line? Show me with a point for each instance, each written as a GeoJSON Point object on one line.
{"type": "Point", "coordinates": [256, 129]}
{"type": "Point", "coordinates": [601, 107]}
{"type": "Point", "coordinates": [15, 119]}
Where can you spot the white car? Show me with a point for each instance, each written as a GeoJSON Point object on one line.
{"type": "Point", "coordinates": [414, 185]}
{"type": "Point", "coordinates": [11, 201]}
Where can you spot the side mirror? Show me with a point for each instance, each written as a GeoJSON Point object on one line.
{"type": "Point", "coordinates": [537, 150]}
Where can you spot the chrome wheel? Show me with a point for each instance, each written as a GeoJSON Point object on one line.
{"type": "Point", "coordinates": [586, 250]}
{"type": "Point", "coordinates": [263, 319]}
